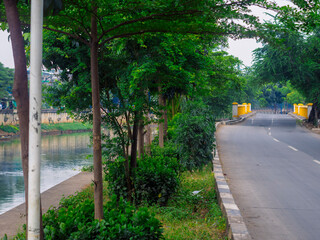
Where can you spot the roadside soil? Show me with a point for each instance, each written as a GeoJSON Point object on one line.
{"type": "Point", "coordinates": [13, 220]}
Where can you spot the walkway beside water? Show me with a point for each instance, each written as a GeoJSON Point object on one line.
{"type": "Point", "coordinates": [14, 219]}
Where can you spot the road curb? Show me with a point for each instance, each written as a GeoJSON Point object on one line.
{"type": "Point", "coordinates": [236, 228]}
{"type": "Point", "coordinates": [240, 119]}
{"type": "Point", "coordinates": [296, 116]}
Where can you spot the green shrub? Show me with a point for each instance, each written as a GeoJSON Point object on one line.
{"type": "Point", "coordinates": [116, 178]}
{"type": "Point", "coordinates": [75, 220]}
{"type": "Point", "coordinates": [156, 179]}
{"type": "Point", "coordinates": [194, 135]}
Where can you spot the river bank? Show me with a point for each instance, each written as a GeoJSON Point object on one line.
{"type": "Point", "coordinates": [8, 132]}
{"type": "Point", "coordinates": [14, 219]}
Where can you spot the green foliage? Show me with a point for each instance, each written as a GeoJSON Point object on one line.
{"type": "Point", "coordinates": [9, 128]}
{"type": "Point", "coordinates": [194, 135]}
{"type": "Point", "coordinates": [156, 179]}
{"type": "Point", "coordinates": [6, 81]}
{"type": "Point", "coordinates": [115, 175]}
{"type": "Point", "coordinates": [270, 95]}
{"type": "Point", "coordinates": [74, 219]}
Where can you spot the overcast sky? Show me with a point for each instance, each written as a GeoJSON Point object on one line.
{"type": "Point", "coordinates": [240, 48]}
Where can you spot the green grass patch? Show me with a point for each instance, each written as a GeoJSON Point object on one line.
{"type": "Point", "coordinates": [66, 126]}
{"type": "Point", "coordinates": [9, 128]}
{"type": "Point", "coordinates": [193, 216]}
{"type": "Point", "coordinates": [74, 126]}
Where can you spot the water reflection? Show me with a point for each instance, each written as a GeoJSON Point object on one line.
{"type": "Point", "coordinates": [62, 157]}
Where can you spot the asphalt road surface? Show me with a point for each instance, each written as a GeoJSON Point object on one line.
{"type": "Point", "coordinates": [273, 169]}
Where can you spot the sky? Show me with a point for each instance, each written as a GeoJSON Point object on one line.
{"type": "Point", "coordinates": [240, 48]}
{"type": "Point", "coordinates": [6, 57]}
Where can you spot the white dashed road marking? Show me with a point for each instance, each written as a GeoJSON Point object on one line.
{"type": "Point", "coordinates": [276, 140]}
{"type": "Point", "coordinates": [316, 161]}
{"type": "Point", "coordinates": [294, 149]}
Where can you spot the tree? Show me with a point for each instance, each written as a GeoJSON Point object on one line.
{"type": "Point", "coordinates": [20, 85]}
{"type": "Point", "coordinates": [295, 58]}
{"type": "Point", "coordinates": [96, 23]}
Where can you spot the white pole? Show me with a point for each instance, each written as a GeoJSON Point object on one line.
{"type": "Point", "coordinates": [35, 119]}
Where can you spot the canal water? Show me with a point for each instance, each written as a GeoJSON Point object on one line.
{"type": "Point", "coordinates": [63, 156]}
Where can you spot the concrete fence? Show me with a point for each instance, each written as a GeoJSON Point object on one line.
{"type": "Point", "coordinates": [10, 117]}
{"type": "Point", "coordinates": [302, 110]}
{"type": "Point", "coordinates": [240, 109]}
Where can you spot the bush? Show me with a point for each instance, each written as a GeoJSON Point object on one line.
{"type": "Point", "coordinates": [121, 221]}
{"type": "Point", "coordinates": [157, 177]}
{"type": "Point", "coordinates": [115, 175]}
{"type": "Point", "coordinates": [194, 135]}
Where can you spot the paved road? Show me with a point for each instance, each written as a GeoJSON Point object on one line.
{"type": "Point", "coordinates": [273, 168]}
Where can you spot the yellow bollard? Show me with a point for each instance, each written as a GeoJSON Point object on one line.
{"type": "Point", "coordinates": [241, 109]}
{"type": "Point", "coordinates": [249, 107]}
{"type": "Point", "coordinates": [304, 111]}
{"type": "Point", "coordinates": [245, 108]}
{"type": "Point", "coordinates": [235, 113]}
{"type": "Point", "coordinates": [295, 108]}
{"type": "Point", "coordinates": [299, 108]}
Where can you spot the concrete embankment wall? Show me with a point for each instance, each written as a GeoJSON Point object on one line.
{"type": "Point", "coordinates": [10, 117]}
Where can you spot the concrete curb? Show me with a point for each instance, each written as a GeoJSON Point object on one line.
{"type": "Point", "coordinates": [296, 116]}
{"type": "Point", "coordinates": [236, 228]}
{"type": "Point", "coordinates": [239, 120]}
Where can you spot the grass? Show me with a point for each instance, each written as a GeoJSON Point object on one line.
{"type": "Point", "coordinates": [9, 128]}
{"type": "Point", "coordinates": [51, 127]}
{"type": "Point", "coordinates": [66, 126]}
{"type": "Point", "coordinates": [193, 216]}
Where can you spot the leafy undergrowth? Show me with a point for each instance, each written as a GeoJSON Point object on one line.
{"type": "Point", "coordinates": [192, 215]}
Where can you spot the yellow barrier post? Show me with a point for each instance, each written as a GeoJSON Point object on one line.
{"type": "Point", "coordinates": [235, 110]}
{"type": "Point", "coordinates": [249, 106]}
{"type": "Point", "coordinates": [304, 111]}
{"type": "Point", "coordinates": [241, 109]}
{"type": "Point", "coordinates": [299, 108]}
{"type": "Point", "coordinates": [245, 108]}
{"type": "Point", "coordinates": [295, 108]}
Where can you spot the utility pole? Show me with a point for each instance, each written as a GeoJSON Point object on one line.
{"type": "Point", "coordinates": [35, 119]}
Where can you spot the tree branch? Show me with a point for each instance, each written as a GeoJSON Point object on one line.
{"type": "Point", "coordinates": [69, 34]}
{"type": "Point", "coordinates": [147, 18]}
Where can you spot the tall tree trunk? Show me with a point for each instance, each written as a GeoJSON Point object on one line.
{"type": "Point", "coordinates": [148, 138]}
{"type": "Point", "coordinates": [20, 87]}
{"type": "Point", "coordinates": [134, 144]}
{"type": "Point", "coordinates": [133, 158]}
{"type": "Point", "coordinates": [97, 158]}
{"type": "Point", "coordinates": [161, 124]}
{"type": "Point", "coordinates": [140, 139]}
{"type": "Point", "coordinates": [165, 118]}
